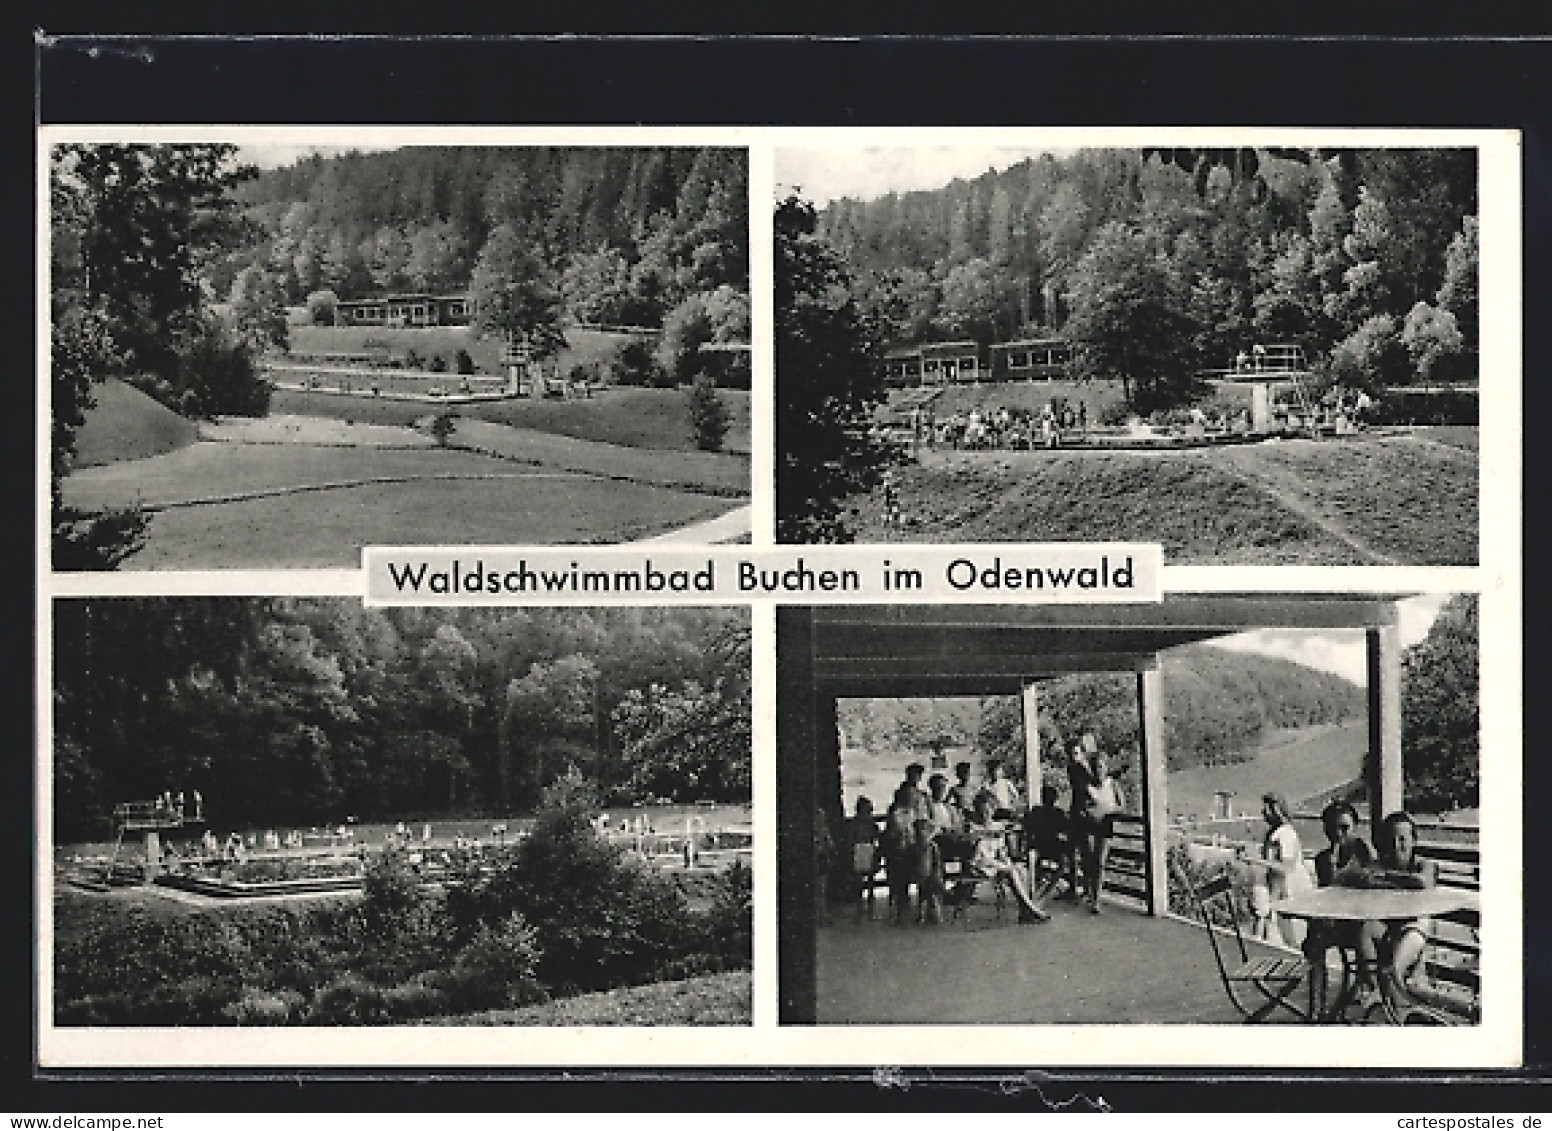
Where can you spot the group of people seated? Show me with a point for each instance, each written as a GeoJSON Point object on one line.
{"type": "Point", "coordinates": [1003, 427]}
{"type": "Point", "coordinates": [981, 830]}
{"type": "Point", "coordinates": [1392, 950]}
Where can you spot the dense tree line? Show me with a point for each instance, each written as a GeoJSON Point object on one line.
{"type": "Point", "coordinates": [1218, 707]}
{"type": "Point", "coordinates": [616, 235]}
{"type": "Point", "coordinates": [295, 711]}
{"type": "Point", "coordinates": [1162, 262]}
{"type": "Point", "coordinates": [1441, 726]}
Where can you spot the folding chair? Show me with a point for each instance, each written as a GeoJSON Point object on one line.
{"type": "Point", "coordinates": [1272, 976]}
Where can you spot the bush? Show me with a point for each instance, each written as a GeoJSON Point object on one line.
{"type": "Point", "coordinates": [1443, 406]}
{"type": "Point", "coordinates": [322, 307]}
{"type": "Point", "coordinates": [442, 428]}
{"type": "Point", "coordinates": [600, 920]}
{"type": "Point", "coordinates": [412, 359]}
{"type": "Point", "coordinates": [137, 954]}
{"type": "Point", "coordinates": [437, 364]}
{"type": "Point", "coordinates": [635, 365]}
{"type": "Point", "coordinates": [727, 927]}
{"type": "Point", "coordinates": [496, 970]}
{"type": "Point", "coordinates": [265, 1007]}
{"type": "Point", "coordinates": [193, 1001]}
{"type": "Point", "coordinates": [350, 1000]}
{"type": "Point", "coordinates": [708, 415]}
{"type": "Point", "coordinates": [463, 362]}
{"type": "Point", "coordinates": [216, 374]}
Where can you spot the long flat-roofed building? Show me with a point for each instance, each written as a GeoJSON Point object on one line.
{"type": "Point", "coordinates": [406, 310]}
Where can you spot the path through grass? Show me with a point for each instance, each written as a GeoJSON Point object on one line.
{"type": "Point", "coordinates": [1357, 501]}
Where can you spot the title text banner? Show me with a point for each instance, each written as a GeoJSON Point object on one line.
{"type": "Point", "coordinates": [1005, 573]}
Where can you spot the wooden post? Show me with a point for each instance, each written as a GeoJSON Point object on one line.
{"type": "Point", "coordinates": [796, 740]}
{"type": "Point", "coordinates": [1155, 811]}
{"type": "Point", "coordinates": [1382, 768]}
{"type": "Point", "coordinates": [1030, 701]}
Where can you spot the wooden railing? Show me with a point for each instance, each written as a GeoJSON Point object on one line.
{"type": "Point", "coordinates": [1126, 866]}
{"type": "Point", "coordinates": [1454, 952]}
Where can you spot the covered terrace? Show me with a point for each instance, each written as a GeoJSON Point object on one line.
{"type": "Point", "coordinates": [1074, 969]}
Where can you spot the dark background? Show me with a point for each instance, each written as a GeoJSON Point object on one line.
{"type": "Point", "coordinates": [1423, 82]}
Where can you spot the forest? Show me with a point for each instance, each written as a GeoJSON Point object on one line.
{"type": "Point", "coordinates": [1160, 263]}
{"type": "Point", "coordinates": [625, 235]}
{"type": "Point", "coordinates": [291, 711]}
{"type": "Point", "coordinates": [1218, 707]}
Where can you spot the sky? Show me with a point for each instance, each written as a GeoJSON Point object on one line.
{"type": "Point", "coordinates": [268, 155]}
{"type": "Point", "coordinates": [824, 175]}
{"type": "Point", "coordinates": [1340, 652]}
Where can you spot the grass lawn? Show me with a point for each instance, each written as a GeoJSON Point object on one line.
{"type": "Point", "coordinates": [1356, 501]}
{"type": "Point", "coordinates": [1199, 512]}
{"type": "Point", "coordinates": [328, 528]}
{"type": "Point", "coordinates": [125, 424]}
{"type": "Point", "coordinates": [635, 418]}
{"type": "Point", "coordinates": [713, 999]}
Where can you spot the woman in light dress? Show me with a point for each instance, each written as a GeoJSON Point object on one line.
{"type": "Point", "coordinates": [1279, 873]}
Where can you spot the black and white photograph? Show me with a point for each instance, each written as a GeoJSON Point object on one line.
{"type": "Point", "coordinates": [1254, 355]}
{"type": "Point", "coordinates": [274, 812]}
{"type": "Point", "coordinates": [269, 350]}
{"type": "Point", "coordinates": [1221, 809]}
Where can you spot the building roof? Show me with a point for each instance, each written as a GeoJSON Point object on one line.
{"type": "Point", "coordinates": [420, 297]}
{"type": "Point", "coordinates": [1025, 343]}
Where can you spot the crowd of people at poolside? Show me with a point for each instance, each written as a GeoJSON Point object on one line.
{"type": "Point", "coordinates": [942, 841]}
{"type": "Point", "coordinates": [1393, 950]}
{"type": "Point", "coordinates": [1002, 427]}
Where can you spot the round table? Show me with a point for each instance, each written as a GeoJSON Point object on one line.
{"type": "Point", "coordinates": [1369, 905]}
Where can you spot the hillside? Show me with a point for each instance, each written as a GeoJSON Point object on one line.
{"type": "Point", "coordinates": [1363, 500]}
{"type": "Point", "coordinates": [125, 424]}
{"type": "Point", "coordinates": [1219, 709]}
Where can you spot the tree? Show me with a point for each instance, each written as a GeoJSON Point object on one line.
{"type": "Point", "coordinates": [258, 310]}
{"type": "Point", "coordinates": [138, 223]}
{"type": "Point", "coordinates": [1440, 710]}
{"type": "Point", "coordinates": [322, 307]}
{"type": "Point", "coordinates": [145, 218]}
{"type": "Point", "coordinates": [978, 302]}
{"type": "Point", "coordinates": [596, 285]}
{"type": "Point", "coordinates": [1432, 341]}
{"type": "Point", "coordinates": [828, 381]}
{"type": "Point", "coordinates": [438, 257]}
{"type": "Point", "coordinates": [1129, 319]}
{"type": "Point", "coordinates": [720, 316]}
{"type": "Point", "coordinates": [549, 716]}
{"type": "Point", "coordinates": [1372, 356]}
{"type": "Point", "coordinates": [686, 744]}
{"type": "Point", "coordinates": [443, 425]}
{"type": "Point", "coordinates": [514, 296]}
{"type": "Point", "coordinates": [708, 415]}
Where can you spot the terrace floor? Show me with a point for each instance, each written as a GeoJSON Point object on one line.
{"type": "Point", "coordinates": [1118, 967]}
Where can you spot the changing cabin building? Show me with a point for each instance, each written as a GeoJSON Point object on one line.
{"type": "Point", "coordinates": [406, 310]}
{"type": "Point", "coordinates": [950, 363]}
